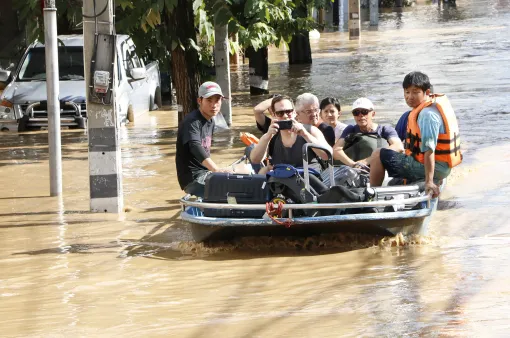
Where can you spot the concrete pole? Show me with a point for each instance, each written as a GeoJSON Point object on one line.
{"type": "Point", "coordinates": [222, 63]}
{"type": "Point", "coordinates": [52, 92]}
{"type": "Point", "coordinates": [354, 20]}
{"type": "Point", "coordinates": [374, 12]}
{"type": "Point", "coordinates": [105, 166]}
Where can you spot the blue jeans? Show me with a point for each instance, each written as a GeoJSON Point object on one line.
{"type": "Point", "coordinates": [197, 187]}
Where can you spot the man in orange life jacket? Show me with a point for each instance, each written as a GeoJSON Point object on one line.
{"type": "Point", "coordinates": [432, 144]}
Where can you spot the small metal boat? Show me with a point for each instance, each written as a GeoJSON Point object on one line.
{"type": "Point", "coordinates": [391, 210]}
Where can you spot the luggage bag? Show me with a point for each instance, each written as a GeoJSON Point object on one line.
{"type": "Point", "coordinates": [235, 189]}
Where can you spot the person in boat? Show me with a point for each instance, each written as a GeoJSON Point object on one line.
{"type": "Point", "coordinates": [285, 146]}
{"type": "Point", "coordinates": [330, 112]}
{"type": "Point", "coordinates": [401, 126]}
{"type": "Point", "coordinates": [432, 144]}
{"type": "Point", "coordinates": [308, 112]}
{"type": "Point", "coordinates": [262, 113]}
{"type": "Point", "coordinates": [358, 142]}
{"type": "Point", "coordinates": [194, 136]}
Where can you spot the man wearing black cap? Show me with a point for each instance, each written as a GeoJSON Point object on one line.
{"type": "Point", "coordinates": [193, 156]}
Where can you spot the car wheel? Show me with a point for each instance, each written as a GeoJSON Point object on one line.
{"type": "Point", "coordinates": [131, 115]}
{"type": "Point", "coordinates": [23, 124]}
{"type": "Point", "coordinates": [157, 101]}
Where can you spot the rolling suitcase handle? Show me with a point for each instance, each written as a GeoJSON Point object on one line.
{"type": "Point", "coordinates": [305, 148]}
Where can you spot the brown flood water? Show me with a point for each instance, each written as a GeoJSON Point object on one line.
{"type": "Point", "coordinates": [64, 271]}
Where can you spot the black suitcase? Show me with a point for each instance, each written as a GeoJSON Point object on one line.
{"type": "Point", "coordinates": [238, 189]}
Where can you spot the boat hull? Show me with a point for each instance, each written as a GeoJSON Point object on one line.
{"type": "Point", "coordinates": [387, 223]}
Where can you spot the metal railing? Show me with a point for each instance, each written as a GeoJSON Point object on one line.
{"type": "Point", "coordinates": [408, 201]}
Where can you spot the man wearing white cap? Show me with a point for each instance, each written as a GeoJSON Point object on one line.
{"type": "Point", "coordinates": [357, 142]}
{"type": "Point", "coordinates": [194, 137]}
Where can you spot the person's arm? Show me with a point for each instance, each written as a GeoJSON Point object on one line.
{"type": "Point", "coordinates": [259, 152]}
{"type": "Point", "coordinates": [209, 164]}
{"type": "Point", "coordinates": [430, 163]}
{"type": "Point", "coordinates": [340, 155]}
{"type": "Point", "coordinates": [201, 155]}
{"type": "Point", "coordinates": [314, 136]}
{"type": "Point", "coordinates": [430, 124]}
{"type": "Point", "coordinates": [396, 144]}
{"type": "Point", "coordinates": [260, 109]}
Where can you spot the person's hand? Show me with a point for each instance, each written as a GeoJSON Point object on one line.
{"type": "Point", "coordinates": [229, 170]}
{"type": "Point", "coordinates": [297, 128]}
{"type": "Point", "coordinates": [431, 188]}
{"type": "Point", "coordinates": [273, 129]}
{"type": "Point", "coordinates": [361, 165]}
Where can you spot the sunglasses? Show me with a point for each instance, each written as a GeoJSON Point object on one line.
{"type": "Point", "coordinates": [282, 113]}
{"type": "Point", "coordinates": [360, 111]}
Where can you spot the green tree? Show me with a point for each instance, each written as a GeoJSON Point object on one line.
{"type": "Point", "coordinates": [259, 23]}
{"type": "Point", "coordinates": [180, 33]}
{"type": "Point", "coordinates": [30, 12]}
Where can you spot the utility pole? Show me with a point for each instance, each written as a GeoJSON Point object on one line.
{"type": "Point", "coordinates": [52, 92]}
{"type": "Point", "coordinates": [374, 12]}
{"type": "Point", "coordinates": [105, 166]}
{"type": "Point", "coordinates": [222, 63]}
{"type": "Point", "coordinates": [354, 20]}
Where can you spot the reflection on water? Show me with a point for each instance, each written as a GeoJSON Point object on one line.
{"type": "Point", "coordinates": [66, 271]}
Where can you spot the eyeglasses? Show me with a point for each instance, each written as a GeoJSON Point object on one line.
{"type": "Point", "coordinates": [360, 111]}
{"type": "Point", "coordinates": [311, 111]}
{"type": "Point", "coordinates": [284, 112]}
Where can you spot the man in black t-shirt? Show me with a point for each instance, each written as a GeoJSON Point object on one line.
{"type": "Point", "coordinates": [194, 137]}
{"type": "Point", "coordinates": [308, 112]}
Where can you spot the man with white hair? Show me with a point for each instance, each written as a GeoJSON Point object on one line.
{"type": "Point", "coordinates": [308, 112]}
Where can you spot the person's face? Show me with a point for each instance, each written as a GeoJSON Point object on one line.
{"type": "Point", "coordinates": [283, 110]}
{"type": "Point", "coordinates": [363, 117]}
{"type": "Point", "coordinates": [309, 114]}
{"type": "Point", "coordinates": [415, 96]}
{"type": "Point", "coordinates": [330, 114]}
{"type": "Point", "coordinates": [210, 106]}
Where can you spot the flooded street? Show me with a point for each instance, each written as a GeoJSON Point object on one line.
{"type": "Point", "coordinates": [67, 272]}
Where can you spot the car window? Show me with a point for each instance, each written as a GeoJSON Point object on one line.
{"type": "Point", "coordinates": [70, 64]}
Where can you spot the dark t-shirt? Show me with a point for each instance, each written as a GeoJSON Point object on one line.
{"type": "Point", "coordinates": [291, 155]}
{"type": "Point", "coordinates": [194, 128]}
{"type": "Point", "coordinates": [265, 127]}
{"type": "Point", "coordinates": [386, 132]}
{"type": "Point", "coordinates": [327, 130]}
{"type": "Point", "coordinates": [401, 126]}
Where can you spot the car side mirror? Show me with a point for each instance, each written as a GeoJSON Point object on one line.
{"type": "Point", "coordinates": [138, 73]}
{"type": "Point", "coordinates": [4, 75]}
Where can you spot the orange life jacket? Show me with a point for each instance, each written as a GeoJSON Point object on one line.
{"type": "Point", "coordinates": [248, 138]}
{"type": "Point", "coordinates": [448, 144]}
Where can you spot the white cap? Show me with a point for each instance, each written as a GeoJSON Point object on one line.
{"type": "Point", "coordinates": [363, 103]}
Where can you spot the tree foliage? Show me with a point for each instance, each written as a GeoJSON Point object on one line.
{"type": "Point", "coordinates": [30, 12]}
{"type": "Point", "coordinates": [180, 33]}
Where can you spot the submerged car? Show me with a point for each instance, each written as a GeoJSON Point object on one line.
{"type": "Point", "coordinates": [23, 101]}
